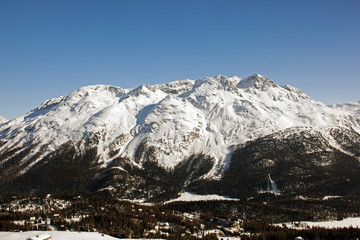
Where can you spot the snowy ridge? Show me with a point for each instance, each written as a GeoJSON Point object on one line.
{"type": "Point", "coordinates": [174, 120]}
{"type": "Point", "coordinates": [352, 108]}
{"type": "Point", "coordinates": [2, 120]}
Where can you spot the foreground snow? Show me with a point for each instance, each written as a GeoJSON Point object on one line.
{"type": "Point", "coordinates": [188, 197]}
{"type": "Point", "coordinates": [55, 235]}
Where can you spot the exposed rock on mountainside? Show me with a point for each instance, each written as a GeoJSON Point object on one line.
{"type": "Point", "coordinates": [219, 135]}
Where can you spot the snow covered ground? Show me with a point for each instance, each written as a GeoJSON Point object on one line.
{"type": "Point", "coordinates": [55, 235]}
{"type": "Point", "coordinates": [348, 222]}
{"type": "Point", "coordinates": [188, 197]}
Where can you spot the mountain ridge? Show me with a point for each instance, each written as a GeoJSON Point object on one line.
{"type": "Point", "coordinates": [3, 120]}
{"type": "Point", "coordinates": [94, 105]}
{"type": "Point", "coordinates": [351, 107]}
{"type": "Point", "coordinates": [165, 127]}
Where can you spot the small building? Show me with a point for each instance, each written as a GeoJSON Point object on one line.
{"type": "Point", "coordinates": [32, 219]}
{"type": "Point", "coordinates": [43, 236]}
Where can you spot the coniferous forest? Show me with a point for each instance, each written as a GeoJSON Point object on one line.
{"type": "Point", "coordinates": [253, 219]}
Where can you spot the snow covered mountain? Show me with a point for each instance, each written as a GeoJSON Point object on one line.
{"type": "Point", "coordinates": [199, 124]}
{"type": "Point", "coordinates": [353, 108]}
{"type": "Point", "coordinates": [2, 120]}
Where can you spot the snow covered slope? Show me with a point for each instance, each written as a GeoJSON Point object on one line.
{"type": "Point", "coordinates": [353, 108]}
{"type": "Point", "coordinates": [2, 120]}
{"type": "Point", "coordinates": [166, 123]}
{"type": "Point", "coordinates": [191, 197]}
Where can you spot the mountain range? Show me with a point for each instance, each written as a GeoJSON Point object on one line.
{"type": "Point", "coordinates": [239, 137]}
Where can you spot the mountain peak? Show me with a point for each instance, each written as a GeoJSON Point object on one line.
{"type": "Point", "coordinates": [257, 81]}
{"type": "Point", "coordinates": [221, 77]}
{"type": "Point", "coordinates": [256, 75]}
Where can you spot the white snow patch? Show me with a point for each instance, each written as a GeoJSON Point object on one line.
{"type": "Point", "coordinates": [189, 196]}
{"type": "Point", "coordinates": [331, 197]}
{"type": "Point", "coordinates": [348, 222]}
{"type": "Point", "coordinates": [345, 223]}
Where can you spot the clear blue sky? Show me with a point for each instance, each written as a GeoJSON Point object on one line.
{"type": "Point", "coordinates": [49, 48]}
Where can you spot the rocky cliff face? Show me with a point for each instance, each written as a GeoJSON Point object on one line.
{"type": "Point", "coordinates": [229, 136]}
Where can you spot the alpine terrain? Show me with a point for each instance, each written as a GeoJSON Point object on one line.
{"type": "Point", "coordinates": [236, 137]}
{"type": "Point", "coordinates": [2, 120]}
{"type": "Point", "coordinates": [353, 108]}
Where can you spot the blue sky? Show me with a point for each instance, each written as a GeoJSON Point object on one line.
{"type": "Point", "coordinates": [49, 48]}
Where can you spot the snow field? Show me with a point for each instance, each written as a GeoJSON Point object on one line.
{"type": "Point", "coordinates": [188, 197]}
